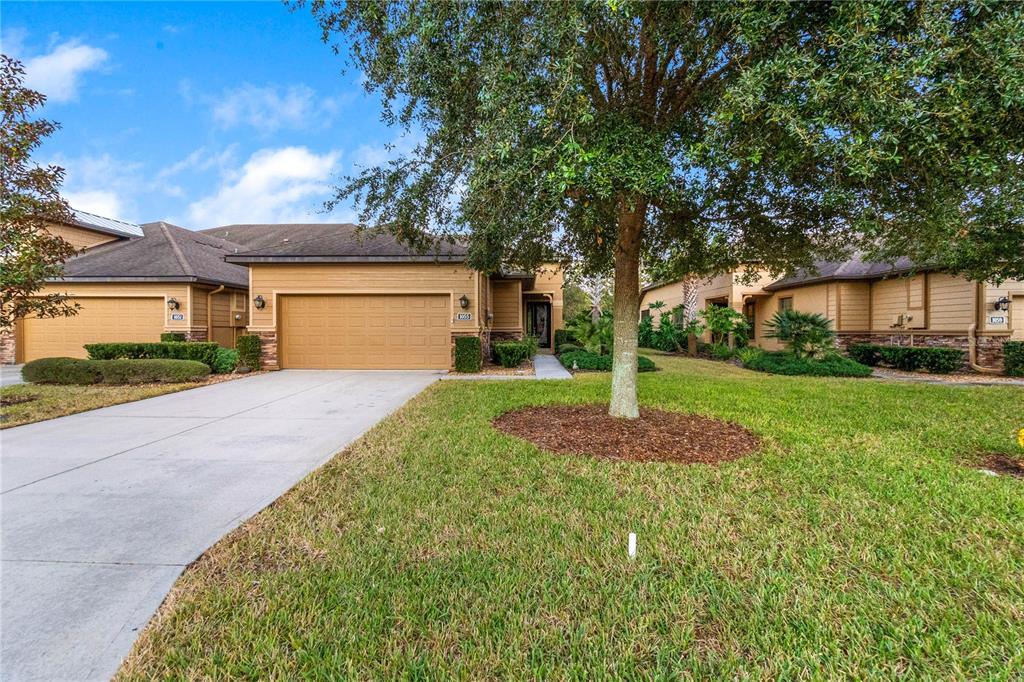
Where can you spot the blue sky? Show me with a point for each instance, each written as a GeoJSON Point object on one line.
{"type": "Point", "coordinates": [199, 114]}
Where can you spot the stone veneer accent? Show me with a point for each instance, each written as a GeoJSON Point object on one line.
{"type": "Point", "coordinates": [198, 334]}
{"type": "Point", "coordinates": [268, 349]}
{"type": "Point", "coordinates": [7, 346]}
{"type": "Point", "coordinates": [990, 348]}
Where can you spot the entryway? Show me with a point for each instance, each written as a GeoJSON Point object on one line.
{"type": "Point", "coordinates": [538, 322]}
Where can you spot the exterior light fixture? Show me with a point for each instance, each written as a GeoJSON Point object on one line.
{"type": "Point", "coordinates": [1002, 304]}
{"type": "Point", "coordinates": [464, 302]}
{"type": "Point", "coordinates": [172, 304]}
{"type": "Point", "coordinates": [259, 302]}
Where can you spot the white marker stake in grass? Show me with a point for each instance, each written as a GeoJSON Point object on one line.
{"type": "Point", "coordinates": [632, 545]}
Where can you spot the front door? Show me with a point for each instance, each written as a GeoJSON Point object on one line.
{"type": "Point", "coordinates": [538, 323]}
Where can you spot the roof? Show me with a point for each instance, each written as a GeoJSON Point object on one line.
{"type": "Point", "coordinates": [91, 221]}
{"type": "Point", "coordinates": [658, 285]}
{"type": "Point", "coordinates": [326, 243]}
{"type": "Point", "coordinates": [164, 253]}
{"type": "Point", "coordinates": [853, 269]}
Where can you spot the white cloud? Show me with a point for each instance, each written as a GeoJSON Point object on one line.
{"type": "Point", "coordinates": [100, 202]}
{"type": "Point", "coordinates": [275, 185]}
{"type": "Point", "coordinates": [58, 73]}
{"type": "Point", "coordinates": [201, 160]}
{"type": "Point", "coordinates": [271, 108]}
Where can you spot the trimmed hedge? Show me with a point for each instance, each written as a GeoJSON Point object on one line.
{"type": "Point", "coordinates": [249, 350]}
{"type": "Point", "coordinates": [172, 337]}
{"type": "Point", "coordinates": [205, 353]}
{"type": "Point", "coordinates": [908, 358]}
{"type": "Point", "coordinates": [784, 362]}
{"type": "Point", "coordinates": [942, 360]}
{"type": "Point", "coordinates": [1013, 358]}
{"type": "Point", "coordinates": [564, 336]}
{"type": "Point", "coordinates": [468, 354]}
{"type": "Point", "coordinates": [582, 359]}
{"type": "Point", "coordinates": [226, 361]}
{"type": "Point", "coordinates": [865, 353]}
{"type": "Point", "coordinates": [114, 372]}
{"type": "Point", "coordinates": [512, 353]}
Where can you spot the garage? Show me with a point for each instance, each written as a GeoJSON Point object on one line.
{"type": "Point", "coordinates": [373, 331]}
{"type": "Point", "coordinates": [98, 320]}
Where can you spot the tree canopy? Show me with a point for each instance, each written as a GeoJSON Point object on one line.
{"type": "Point", "coordinates": [697, 135]}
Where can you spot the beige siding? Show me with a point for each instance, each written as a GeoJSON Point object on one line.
{"type": "Point", "coordinates": [507, 305]}
{"type": "Point", "coordinates": [951, 302]}
{"type": "Point", "coordinates": [78, 237]}
{"type": "Point", "coordinates": [1013, 319]}
{"type": "Point", "coordinates": [164, 290]}
{"type": "Point", "coordinates": [854, 306]}
{"type": "Point", "coordinates": [550, 280]}
{"type": "Point", "coordinates": [888, 299]}
{"type": "Point", "coordinates": [816, 298]}
{"type": "Point", "coordinates": [271, 280]}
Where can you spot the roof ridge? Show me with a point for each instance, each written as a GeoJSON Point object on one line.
{"type": "Point", "coordinates": [182, 261]}
{"type": "Point", "coordinates": [97, 215]}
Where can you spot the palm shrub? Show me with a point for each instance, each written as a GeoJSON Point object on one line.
{"type": "Point", "coordinates": [805, 334]}
{"type": "Point", "coordinates": [594, 337]}
{"type": "Point", "coordinates": [645, 333]}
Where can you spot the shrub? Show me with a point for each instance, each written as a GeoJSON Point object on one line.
{"type": "Point", "coordinates": [568, 348]}
{"type": "Point", "coordinates": [865, 353]}
{"type": "Point", "coordinates": [249, 350]}
{"type": "Point", "coordinates": [596, 337]}
{"type": "Point", "coordinates": [785, 362]}
{"type": "Point", "coordinates": [581, 359]}
{"type": "Point", "coordinates": [511, 353]}
{"type": "Point", "coordinates": [119, 372]}
{"type": "Point", "coordinates": [942, 360]}
{"type": "Point", "coordinates": [205, 353]}
{"type": "Point", "coordinates": [532, 345]}
{"type": "Point", "coordinates": [172, 337]}
{"type": "Point", "coordinates": [804, 334]}
{"type": "Point", "coordinates": [907, 358]}
{"type": "Point", "coordinates": [114, 372]}
{"type": "Point", "coordinates": [645, 333]}
{"type": "Point", "coordinates": [563, 336]}
{"type": "Point", "coordinates": [61, 371]}
{"type": "Point", "coordinates": [720, 351]}
{"type": "Point", "coordinates": [226, 360]}
{"type": "Point", "coordinates": [467, 354]}
{"type": "Point", "coordinates": [748, 354]}
{"type": "Point", "coordinates": [1013, 358]}
{"type": "Point", "coordinates": [722, 321]}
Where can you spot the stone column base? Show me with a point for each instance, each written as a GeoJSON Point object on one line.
{"type": "Point", "coordinates": [7, 349]}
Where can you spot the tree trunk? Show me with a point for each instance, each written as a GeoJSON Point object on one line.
{"type": "Point", "coordinates": [626, 307]}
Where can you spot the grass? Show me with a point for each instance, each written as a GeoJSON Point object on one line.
{"type": "Point", "coordinates": [856, 545]}
{"type": "Point", "coordinates": [44, 402]}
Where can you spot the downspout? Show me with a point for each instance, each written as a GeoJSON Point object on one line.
{"type": "Point", "coordinates": [972, 352]}
{"type": "Point", "coordinates": [209, 311]}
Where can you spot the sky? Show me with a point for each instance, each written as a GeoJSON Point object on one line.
{"type": "Point", "coordinates": [199, 114]}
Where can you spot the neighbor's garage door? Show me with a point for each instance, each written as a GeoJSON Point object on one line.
{"type": "Point", "coordinates": [98, 320]}
{"type": "Point", "coordinates": [364, 332]}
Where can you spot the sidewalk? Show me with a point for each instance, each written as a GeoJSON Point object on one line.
{"type": "Point", "coordinates": [544, 367]}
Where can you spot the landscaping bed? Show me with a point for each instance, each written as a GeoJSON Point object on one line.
{"type": "Point", "coordinates": [657, 436]}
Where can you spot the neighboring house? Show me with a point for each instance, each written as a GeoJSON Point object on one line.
{"type": "Point", "coordinates": [879, 303]}
{"type": "Point", "coordinates": [329, 296]}
{"type": "Point", "coordinates": [133, 283]}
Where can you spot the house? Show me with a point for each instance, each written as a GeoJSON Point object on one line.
{"type": "Point", "coordinates": [132, 283]}
{"type": "Point", "coordinates": [331, 296]}
{"type": "Point", "coordinates": [874, 302]}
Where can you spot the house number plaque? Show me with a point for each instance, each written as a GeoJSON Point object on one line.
{"type": "Point", "coordinates": [464, 316]}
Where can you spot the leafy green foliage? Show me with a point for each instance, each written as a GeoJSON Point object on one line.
{"type": "Point", "coordinates": [205, 353]}
{"type": "Point", "coordinates": [943, 360]}
{"type": "Point", "coordinates": [1013, 358]}
{"type": "Point", "coordinates": [512, 353]}
{"type": "Point", "coordinates": [29, 199]}
{"type": "Point", "coordinates": [468, 354]}
{"type": "Point", "coordinates": [805, 334]}
{"type": "Point", "coordinates": [226, 360]}
{"type": "Point", "coordinates": [720, 351]}
{"type": "Point", "coordinates": [864, 353]}
{"type": "Point", "coordinates": [564, 336]}
{"type": "Point", "coordinates": [908, 358]}
{"type": "Point", "coordinates": [249, 351]}
{"type": "Point", "coordinates": [582, 359]}
{"type": "Point", "coordinates": [114, 372]}
{"type": "Point", "coordinates": [645, 333]}
{"type": "Point", "coordinates": [172, 337]}
{"type": "Point", "coordinates": [596, 337]}
{"type": "Point", "coordinates": [786, 362]}
{"type": "Point", "coordinates": [722, 321]}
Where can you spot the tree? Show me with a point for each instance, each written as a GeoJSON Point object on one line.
{"type": "Point", "coordinates": [703, 134]}
{"type": "Point", "coordinates": [806, 334]}
{"type": "Point", "coordinates": [30, 198]}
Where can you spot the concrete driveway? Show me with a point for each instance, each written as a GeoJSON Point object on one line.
{"type": "Point", "coordinates": [10, 375]}
{"type": "Point", "coordinates": [101, 511]}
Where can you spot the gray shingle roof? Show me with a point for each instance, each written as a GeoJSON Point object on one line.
{"type": "Point", "coordinates": [91, 221]}
{"type": "Point", "coordinates": [318, 242]}
{"type": "Point", "coordinates": [855, 268]}
{"type": "Point", "coordinates": [164, 253]}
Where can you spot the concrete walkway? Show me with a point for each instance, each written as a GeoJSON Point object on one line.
{"type": "Point", "coordinates": [10, 375]}
{"type": "Point", "coordinates": [544, 367]}
{"type": "Point", "coordinates": [102, 510]}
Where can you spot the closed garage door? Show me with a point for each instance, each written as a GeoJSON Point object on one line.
{"type": "Point", "coordinates": [365, 332]}
{"type": "Point", "coordinates": [99, 320]}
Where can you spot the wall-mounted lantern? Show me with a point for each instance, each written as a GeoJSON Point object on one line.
{"type": "Point", "coordinates": [259, 302]}
{"type": "Point", "coordinates": [172, 304]}
{"type": "Point", "coordinates": [464, 302]}
{"type": "Point", "coordinates": [1002, 304]}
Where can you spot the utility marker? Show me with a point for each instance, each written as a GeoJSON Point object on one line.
{"type": "Point", "coordinates": [632, 545]}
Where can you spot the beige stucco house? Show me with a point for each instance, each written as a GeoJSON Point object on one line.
{"type": "Point", "coordinates": [132, 283]}
{"type": "Point", "coordinates": [879, 303]}
{"type": "Point", "coordinates": [330, 296]}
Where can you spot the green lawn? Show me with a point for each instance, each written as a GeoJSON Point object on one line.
{"type": "Point", "coordinates": [856, 545]}
{"type": "Point", "coordinates": [37, 402]}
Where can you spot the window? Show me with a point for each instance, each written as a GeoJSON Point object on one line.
{"type": "Point", "coordinates": [645, 314]}
{"type": "Point", "coordinates": [785, 304]}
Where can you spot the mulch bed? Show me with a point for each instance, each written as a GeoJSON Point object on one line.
{"type": "Point", "coordinates": [1003, 465]}
{"type": "Point", "coordinates": [657, 436]}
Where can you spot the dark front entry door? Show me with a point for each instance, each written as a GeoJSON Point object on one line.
{"type": "Point", "coordinates": [538, 323]}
